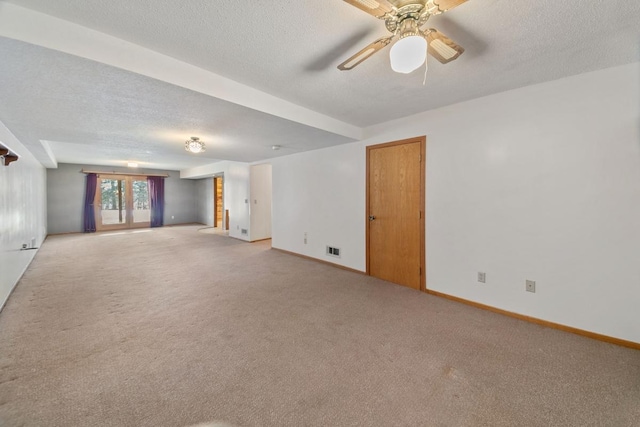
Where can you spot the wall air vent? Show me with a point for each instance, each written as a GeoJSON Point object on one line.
{"type": "Point", "coordinates": [244, 231]}
{"type": "Point", "coordinates": [332, 251]}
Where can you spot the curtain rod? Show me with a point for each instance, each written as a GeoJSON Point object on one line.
{"type": "Point", "coordinates": [164, 175]}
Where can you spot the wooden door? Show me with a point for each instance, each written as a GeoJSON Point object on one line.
{"type": "Point", "coordinates": [395, 217]}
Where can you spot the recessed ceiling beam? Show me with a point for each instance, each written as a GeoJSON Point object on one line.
{"type": "Point", "coordinates": [47, 31]}
{"type": "Point", "coordinates": [51, 162]}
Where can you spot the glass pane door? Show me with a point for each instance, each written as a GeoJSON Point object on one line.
{"type": "Point", "coordinates": [113, 201]}
{"type": "Point", "coordinates": [141, 211]}
{"type": "Point", "coordinates": [123, 202]}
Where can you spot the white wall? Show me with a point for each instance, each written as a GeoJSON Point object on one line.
{"type": "Point", "coordinates": [321, 193]}
{"type": "Point", "coordinates": [66, 188]}
{"type": "Point", "coordinates": [236, 188]}
{"type": "Point", "coordinates": [236, 192]}
{"type": "Point", "coordinates": [23, 212]}
{"type": "Point", "coordinates": [204, 189]}
{"type": "Point", "coordinates": [260, 209]}
{"type": "Point", "coordinates": [539, 183]}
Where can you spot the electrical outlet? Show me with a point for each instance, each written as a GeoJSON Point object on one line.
{"type": "Point", "coordinates": [305, 237]}
{"type": "Point", "coordinates": [482, 277]}
{"type": "Point", "coordinates": [531, 286]}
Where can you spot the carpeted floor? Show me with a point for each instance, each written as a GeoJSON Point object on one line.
{"type": "Point", "coordinates": [173, 327]}
{"type": "Point", "coordinates": [214, 230]}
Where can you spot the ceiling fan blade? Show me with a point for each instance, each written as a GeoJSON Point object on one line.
{"type": "Point", "coordinates": [441, 6]}
{"type": "Point", "coordinates": [442, 47]}
{"type": "Point", "coordinates": [377, 8]}
{"type": "Point", "coordinates": [365, 53]}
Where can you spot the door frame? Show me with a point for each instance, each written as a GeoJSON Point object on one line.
{"type": "Point", "coordinates": [128, 203]}
{"type": "Point", "coordinates": [423, 248]}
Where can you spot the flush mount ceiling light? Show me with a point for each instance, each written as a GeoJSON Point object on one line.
{"type": "Point", "coordinates": [194, 145]}
{"type": "Point", "coordinates": [410, 42]}
{"type": "Point", "coordinates": [132, 164]}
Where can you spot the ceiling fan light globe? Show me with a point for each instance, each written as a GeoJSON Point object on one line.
{"type": "Point", "coordinates": [408, 54]}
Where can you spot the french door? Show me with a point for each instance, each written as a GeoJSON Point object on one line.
{"type": "Point", "coordinates": [122, 201]}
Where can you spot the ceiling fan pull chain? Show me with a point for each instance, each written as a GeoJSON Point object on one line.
{"type": "Point", "coordinates": [426, 68]}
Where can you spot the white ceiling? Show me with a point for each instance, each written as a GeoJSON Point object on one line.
{"type": "Point", "coordinates": [92, 113]}
{"type": "Point", "coordinates": [289, 49]}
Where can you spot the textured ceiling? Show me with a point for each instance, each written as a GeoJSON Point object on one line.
{"type": "Point", "coordinates": [290, 48]}
{"type": "Point", "coordinates": [92, 113]}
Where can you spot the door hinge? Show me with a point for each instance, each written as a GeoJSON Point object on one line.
{"type": "Point", "coordinates": [420, 157]}
{"type": "Point", "coordinates": [420, 271]}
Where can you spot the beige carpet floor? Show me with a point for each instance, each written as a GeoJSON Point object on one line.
{"type": "Point", "coordinates": [214, 230]}
{"type": "Point", "coordinates": [173, 327]}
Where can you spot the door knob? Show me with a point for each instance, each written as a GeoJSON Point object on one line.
{"type": "Point", "coordinates": [372, 217]}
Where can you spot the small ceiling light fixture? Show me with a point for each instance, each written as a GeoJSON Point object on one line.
{"type": "Point", "coordinates": [132, 165]}
{"type": "Point", "coordinates": [410, 52]}
{"type": "Point", "coordinates": [276, 147]}
{"type": "Point", "coordinates": [194, 145]}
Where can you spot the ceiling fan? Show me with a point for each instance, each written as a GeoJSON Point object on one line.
{"type": "Point", "coordinates": [403, 19]}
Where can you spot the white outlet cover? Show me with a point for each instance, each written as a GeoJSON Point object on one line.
{"type": "Point", "coordinates": [531, 286]}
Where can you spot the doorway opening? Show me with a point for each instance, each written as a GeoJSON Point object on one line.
{"type": "Point", "coordinates": [220, 215]}
{"type": "Point", "coordinates": [122, 202]}
{"type": "Point", "coordinates": [395, 212]}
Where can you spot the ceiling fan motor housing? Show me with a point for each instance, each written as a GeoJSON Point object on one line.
{"type": "Point", "coordinates": [417, 13]}
{"type": "Point", "coordinates": [408, 28]}
{"type": "Point", "coordinates": [404, 20]}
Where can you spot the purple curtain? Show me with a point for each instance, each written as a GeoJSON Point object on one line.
{"type": "Point", "coordinates": [89, 208]}
{"type": "Point", "coordinates": [156, 200]}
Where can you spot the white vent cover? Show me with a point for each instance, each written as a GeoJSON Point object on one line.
{"type": "Point", "coordinates": [332, 251]}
